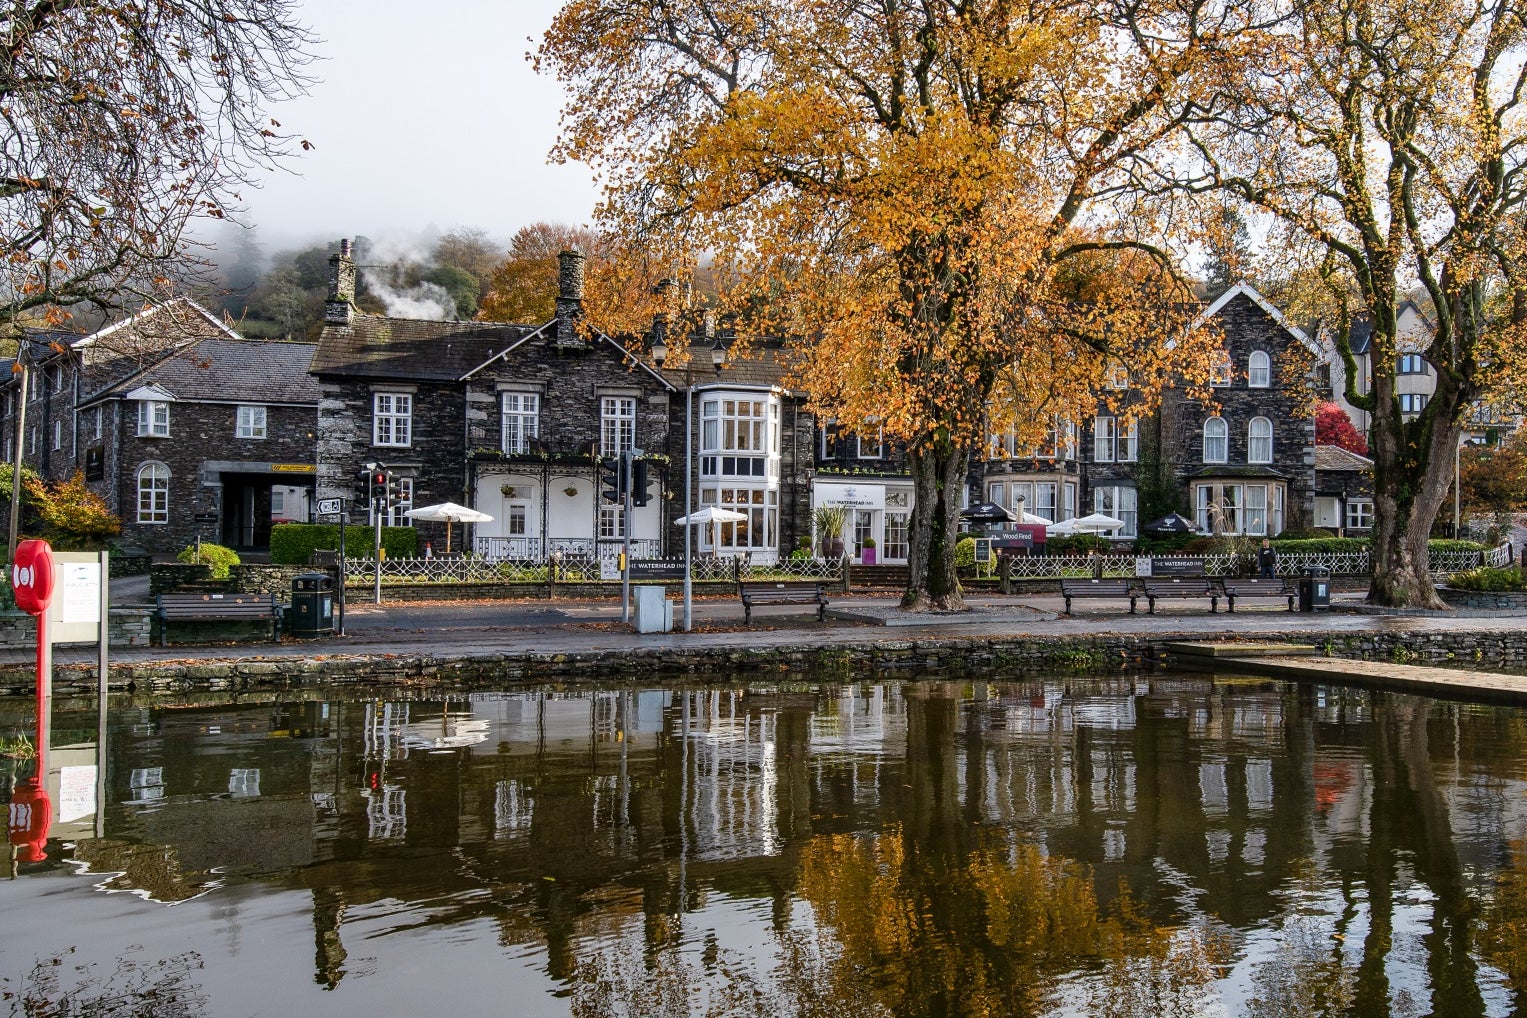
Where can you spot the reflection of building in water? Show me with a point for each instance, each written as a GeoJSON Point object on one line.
{"type": "Point", "coordinates": [729, 794]}
{"type": "Point", "coordinates": [386, 730]}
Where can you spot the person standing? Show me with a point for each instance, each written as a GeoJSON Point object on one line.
{"type": "Point", "coordinates": [1267, 560]}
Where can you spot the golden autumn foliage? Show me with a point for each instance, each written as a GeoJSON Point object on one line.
{"type": "Point", "coordinates": [523, 287]}
{"type": "Point", "coordinates": [958, 209]}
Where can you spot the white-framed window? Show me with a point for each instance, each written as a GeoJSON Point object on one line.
{"type": "Point", "coordinates": [739, 437]}
{"type": "Point", "coordinates": [1252, 509]}
{"type": "Point", "coordinates": [99, 414]}
{"type": "Point", "coordinates": [1068, 501]}
{"type": "Point", "coordinates": [1259, 370]}
{"type": "Point", "coordinates": [1129, 441]}
{"type": "Point", "coordinates": [516, 516]}
{"type": "Point", "coordinates": [1116, 376]}
{"type": "Point", "coordinates": [153, 493]}
{"type": "Point", "coordinates": [612, 523]}
{"type": "Point", "coordinates": [1412, 402]}
{"type": "Point", "coordinates": [1122, 503]}
{"type": "Point", "coordinates": [1105, 440]}
{"type": "Point", "coordinates": [756, 532]}
{"type": "Point", "coordinates": [872, 446]}
{"type": "Point", "coordinates": [617, 425]}
{"type": "Point", "coordinates": [1254, 519]}
{"type": "Point", "coordinates": [392, 419]}
{"type": "Point", "coordinates": [1411, 364]}
{"type": "Point", "coordinates": [277, 503]}
{"type": "Point", "coordinates": [32, 440]}
{"type": "Point", "coordinates": [251, 422]}
{"type": "Point", "coordinates": [1259, 440]}
{"type": "Point", "coordinates": [153, 419]}
{"type": "Point", "coordinates": [1045, 494]}
{"type": "Point", "coordinates": [995, 493]}
{"type": "Point", "coordinates": [58, 435]}
{"type": "Point", "coordinates": [520, 416]}
{"type": "Point", "coordinates": [60, 376]}
{"type": "Point", "coordinates": [1216, 440]}
{"type": "Point", "coordinates": [830, 439]}
{"type": "Point", "coordinates": [1359, 515]}
{"type": "Point", "coordinates": [1221, 370]}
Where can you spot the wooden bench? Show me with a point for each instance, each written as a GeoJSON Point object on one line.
{"type": "Point", "coordinates": [781, 592]}
{"type": "Point", "coordinates": [1258, 588]}
{"type": "Point", "coordinates": [217, 608]}
{"type": "Point", "coordinates": [1098, 588]}
{"type": "Point", "coordinates": [1195, 587]}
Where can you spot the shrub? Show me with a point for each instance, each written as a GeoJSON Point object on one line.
{"type": "Point", "coordinates": [1077, 544]}
{"type": "Point", "coordinates": [1490, 579]}
{"type": "Point", "coordinates": [965, 552]}
{"type": "Point", "coordinates": [293, 544]}
{"type": "Point", "coordinates": [1319, 545]}
{"type": "Point", "coordinates": [215, 556]}
{"type": "Point", "coordinates": [74, 517]}
{"type": "Point", "coordinates": [1453, 545]}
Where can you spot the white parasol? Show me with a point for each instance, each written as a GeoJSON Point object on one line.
{"type": "Point", "coordinates": [714, 516]}
{"type": "Point", "coordinates": [448, 513]}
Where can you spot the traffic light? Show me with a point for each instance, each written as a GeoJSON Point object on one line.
{"type": "Point", "coordinates": [612, 480]}
{"type": "Point", "coordinates": [364, 476]}
{"type": "Point", "coordinates": [381, 485]}
{"type": "Point", "coordinates": [639, 482]}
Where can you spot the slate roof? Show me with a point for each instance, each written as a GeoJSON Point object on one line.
{"type": "Point", "coordinates": [231, 371]}
{"type": "Point", "coordinates": [400, 348]}
{"type": "Point", "coordinates": [1332, 457]}
{"type": "Point", "coordinates": [765, 364]}
{"type": "Point", "coordinates": [1229, 470]}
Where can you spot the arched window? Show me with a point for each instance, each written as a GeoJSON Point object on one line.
{"type": "Point", "coordinates": [153, 493]}
{"type": "Point", "coordinates": [1259, 370]}
{"type": "Point", "coordinates": [1221, 370]}
{"type": "Point", "coordinates": [1216, 439]}
{"type": "Point", "coordinates": [1259, 440]}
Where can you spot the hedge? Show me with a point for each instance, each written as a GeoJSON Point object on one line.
{"type": "Point", "coordinates": [293, 544]}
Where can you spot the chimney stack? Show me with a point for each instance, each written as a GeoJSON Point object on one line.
{"type": "Point", "coordinates": [339, 309]}
{"type": "Point", "coordinates": [569, 297]}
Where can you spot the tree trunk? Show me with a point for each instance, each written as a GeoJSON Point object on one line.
{"type": "Point", "coordinates": [938, 475]}
{"type": "Point", "coordinates": [1413, 469]}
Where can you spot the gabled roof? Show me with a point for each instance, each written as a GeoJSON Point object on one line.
{"type": "Point", "coordinates": [1248, 291]}
{"type": "Point", "coordinates": [403, 349]}
{"type": "Point", "coordinates": [227, 371]}
{"type": "Point", "coordinates": [1334, 457]}
{"type": "Point", "coordinates": [764, 366]}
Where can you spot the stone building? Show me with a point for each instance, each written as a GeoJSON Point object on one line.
{"type": "Point", "coordinates": [511, 420]}
{"type": "Point", "coordinates": [1239, 464]}
{"type": "Point", "coordinates": [185, 428]}
{"type": "Point", "coordinates": [1343, 491]}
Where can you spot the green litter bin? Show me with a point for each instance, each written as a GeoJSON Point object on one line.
{"type": "Point", "coordinates": [312, 606]}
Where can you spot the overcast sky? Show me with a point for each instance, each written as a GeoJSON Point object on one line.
{"type": "Point", "coordinates": [427, 116]}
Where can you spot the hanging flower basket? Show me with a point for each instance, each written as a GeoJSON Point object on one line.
{"type": "Point", "coordinates": [508, 490]}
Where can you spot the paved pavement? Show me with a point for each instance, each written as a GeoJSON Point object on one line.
{"type": "Point", "coordinates": [554, 627]}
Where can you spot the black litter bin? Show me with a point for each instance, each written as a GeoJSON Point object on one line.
{"type": "Point", "coordinates": [1315, 589]}
{"type": "Point", "coordinates": [312, 605]}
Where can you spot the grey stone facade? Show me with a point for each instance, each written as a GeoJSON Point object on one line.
{"type": "Point", "coordinates": [159, 473]}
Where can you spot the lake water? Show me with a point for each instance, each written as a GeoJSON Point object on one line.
{"type": "Point", "coordinates": [1147, 845]}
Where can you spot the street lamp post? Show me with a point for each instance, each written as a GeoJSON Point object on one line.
{"type": "Point", "coordinates": [718, 358]}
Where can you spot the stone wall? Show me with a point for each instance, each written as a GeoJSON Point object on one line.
{"type": "Point", "coordinates": [1100, 654]}
{"type": "Point", "coordinates": [1484, 600]}
{"type": "Point", "coordinates": [126, 627]}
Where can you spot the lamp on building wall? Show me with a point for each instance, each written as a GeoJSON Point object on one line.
{"type": "Point", "coordinates": [718, 360]}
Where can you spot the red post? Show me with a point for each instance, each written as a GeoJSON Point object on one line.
{"type": "Point", "coordinates": [31, 811]}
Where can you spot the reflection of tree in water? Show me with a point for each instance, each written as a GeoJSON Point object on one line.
{"type": "Point", "coordinates": [135, 989]}
{"type": "Point", "coordinates": [1503, 936]}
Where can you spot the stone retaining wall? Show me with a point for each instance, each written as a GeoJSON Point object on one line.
{"type": "Point", "coordinates": [1484, 600]}
{"type": "Point", "coordinates": [126, 627]}
{"type": "Point", "coordinates": [905, 658]}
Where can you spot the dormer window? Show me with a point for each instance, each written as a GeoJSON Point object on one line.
{"type": "Point", "coordinates": [153, 419]}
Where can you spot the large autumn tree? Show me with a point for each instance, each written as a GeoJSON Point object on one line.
{"type": "Point", "coordinates": [1384, 138]}
{"type": "Point", "coordinates": [121, 123]}
{"type": "Point", "coordinates": [910, 185]}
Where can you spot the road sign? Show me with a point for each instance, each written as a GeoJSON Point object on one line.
{"type": "Point", "coordinates": [330, 506]}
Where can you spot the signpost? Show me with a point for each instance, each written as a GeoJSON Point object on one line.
{"type": "Point", "coordinates": [1172, 565]}
{"type": "Point", "coordinates": [336, 507]}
